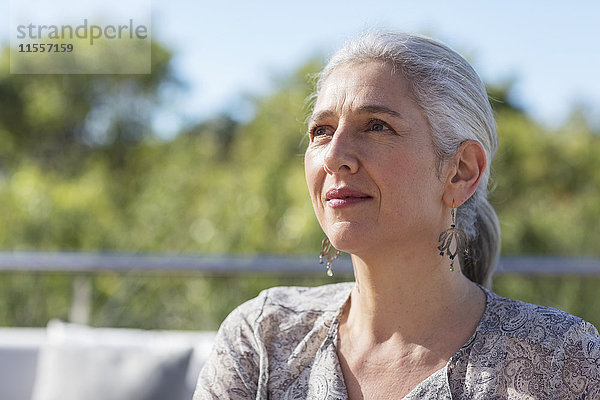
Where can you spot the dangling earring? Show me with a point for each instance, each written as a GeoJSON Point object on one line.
{"type": "Point", "coordinates": [450, 235]}
{"type": "Point", "coordinates": [329, 252]}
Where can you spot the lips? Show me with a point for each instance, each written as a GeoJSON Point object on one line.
{"type": "Point", "coordinates": [344, 196]}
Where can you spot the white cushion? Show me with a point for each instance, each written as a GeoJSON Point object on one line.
{"type": "Point", "coordinates": [80, 362]}
{"type": "Point", "coordinates": [19, 349]}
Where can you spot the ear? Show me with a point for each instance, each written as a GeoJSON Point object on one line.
{"type": "Point", "coordinates": [464, 173]}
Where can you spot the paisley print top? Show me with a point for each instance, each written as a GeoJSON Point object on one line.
{"type": "Point", "coordinates": [282, 345]}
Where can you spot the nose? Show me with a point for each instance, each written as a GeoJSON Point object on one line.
{"type": "Point", "coordinates": [341, 155]}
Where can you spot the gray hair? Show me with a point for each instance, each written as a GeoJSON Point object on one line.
{"type": "Point", "coordinates": [456, 105]}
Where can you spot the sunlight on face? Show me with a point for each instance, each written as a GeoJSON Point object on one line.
{"type": "Point", "coordinates": [370, 165]}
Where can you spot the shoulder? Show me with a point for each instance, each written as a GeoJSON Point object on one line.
{"type": "Point", "coordinates": [529, 342]}
{"type": "Point", "coordinates": [577, 362]}
{"type": "Point", "coordinates": [290, 303]}
{"type": "Point", "coordinates": [544, 326]}
{"type": "Point", "coordinates": [260, 339]}
{"type": "Point", "coordinates": [308, 299]}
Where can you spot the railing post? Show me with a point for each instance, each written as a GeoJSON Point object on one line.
{"type": "Point", "coordinates": [81, 302]}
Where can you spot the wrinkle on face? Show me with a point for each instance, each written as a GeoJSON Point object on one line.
{"type": "Point", "coordinates": [394, 164]}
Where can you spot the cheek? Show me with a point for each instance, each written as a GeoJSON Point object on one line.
{"type": "Point", "coordinates": [407, 184]}
{"type": "Point", "coordinates": [313, 171]}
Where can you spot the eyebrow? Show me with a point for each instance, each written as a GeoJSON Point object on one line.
{"type": "Point", "coordinates": [366, 109]}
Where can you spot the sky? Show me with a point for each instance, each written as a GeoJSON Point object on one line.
{"type": "Point", "coordinates": [224, 50]}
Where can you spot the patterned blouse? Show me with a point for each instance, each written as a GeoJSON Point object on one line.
{"type": "Point", "coordinates": [282, 345]}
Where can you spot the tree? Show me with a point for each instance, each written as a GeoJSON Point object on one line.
{"type": "Point", "coordinates": [60, 120]}
{"type": "Point", "coordinates": [225, 186]}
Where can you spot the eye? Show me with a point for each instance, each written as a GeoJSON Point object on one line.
{"type": "Point", "coordinates": [321, 130]}
{"type": "Point", "coordinates": [378, 126]}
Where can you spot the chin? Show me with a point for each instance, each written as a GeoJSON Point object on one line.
{"type": "Point", "coordinates": [348, 239]}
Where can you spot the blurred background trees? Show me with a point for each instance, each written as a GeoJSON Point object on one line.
{"type": "Point", "coordinates": [82, 169]}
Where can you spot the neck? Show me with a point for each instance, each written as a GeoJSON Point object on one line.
{"type": "Point", "coordinates": [409, 298]}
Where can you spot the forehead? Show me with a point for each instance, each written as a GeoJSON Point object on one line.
{"type": "Point", "coordinates": [352, 86]}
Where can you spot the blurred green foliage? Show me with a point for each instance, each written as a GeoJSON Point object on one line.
{"type": "Point", "coordinates": [81, 169]}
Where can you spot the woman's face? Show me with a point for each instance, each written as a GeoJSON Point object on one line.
{"type": "Point", "coordinates": [370, 164]}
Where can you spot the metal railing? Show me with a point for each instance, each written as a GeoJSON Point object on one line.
{"type": "Point", "coordinates": [84, 264]}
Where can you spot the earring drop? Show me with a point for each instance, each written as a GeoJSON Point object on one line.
{"type": "Point", "coordinates": [450, 236]}
{"type": "Point", "coordinates": [329, 252]}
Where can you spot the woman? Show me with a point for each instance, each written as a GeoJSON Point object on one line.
{"type": "Point", "coordinates": [401, 140]}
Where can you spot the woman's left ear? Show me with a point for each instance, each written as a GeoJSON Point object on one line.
{"type": "Point", "coordinates": [464, 173]}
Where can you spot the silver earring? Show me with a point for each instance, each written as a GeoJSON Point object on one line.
{"type": "Point", "coordinates": [447, 237]}
{"type": "Point", "coordinates": [329, 252]}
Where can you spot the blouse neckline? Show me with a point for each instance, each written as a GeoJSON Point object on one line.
{"type": "Point", "coordinates": [333, 337]}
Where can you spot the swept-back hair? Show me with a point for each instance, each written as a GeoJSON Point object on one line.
{"type": "Point", "coordinates": [457, 107]}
